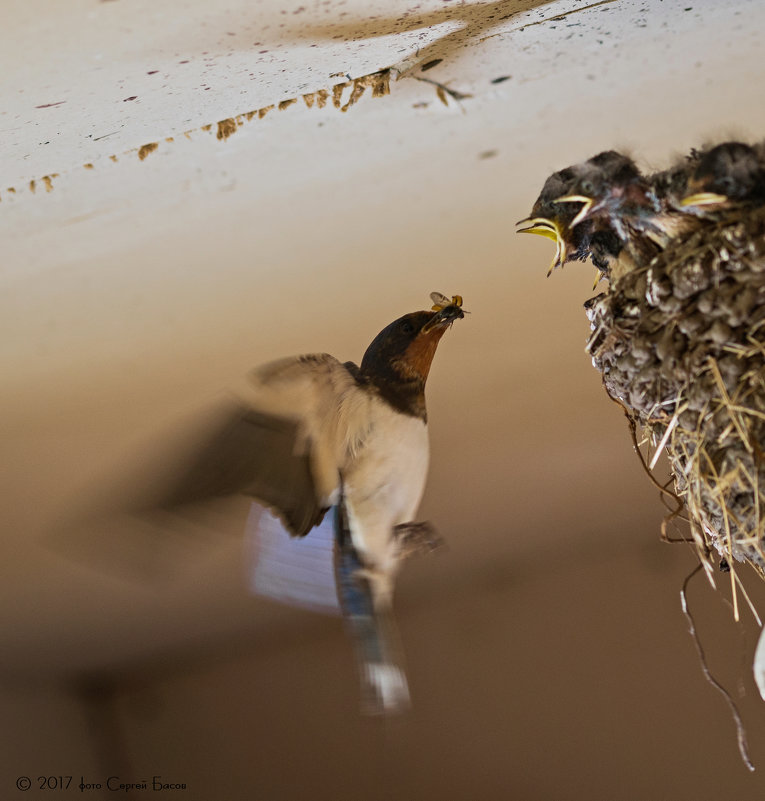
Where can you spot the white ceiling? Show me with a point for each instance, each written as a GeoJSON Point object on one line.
{"type": "Point", "coordinates": [135, 290]}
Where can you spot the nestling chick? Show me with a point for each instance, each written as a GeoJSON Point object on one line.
{"type": "Point", "coordinates": [728, 176]}
{"type": "Point", "coordinates": [554, 217]}
{"type": "Point", "coordinates": [623, 219]}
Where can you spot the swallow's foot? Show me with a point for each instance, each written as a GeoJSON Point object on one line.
{"type": "Point", "coordinates": [417, 538]}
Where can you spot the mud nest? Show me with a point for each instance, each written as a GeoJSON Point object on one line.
{"type": "Point", "coordinates": [679, 335]}
{"type": "Point", "coordinates": [681, 343]}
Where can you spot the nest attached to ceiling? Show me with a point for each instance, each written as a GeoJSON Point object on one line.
{"type": "Point", "coordinates": [680, 343]}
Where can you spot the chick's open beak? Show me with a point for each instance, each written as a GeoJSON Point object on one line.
{"type": "Point", "coordinates": [703, 199]}
{"type": "Point", "coordinates": [539, 225]}
{"type": "Point", "coordinates": [587, 206]}
{"type": "Point", "coordinates": [549, 228]}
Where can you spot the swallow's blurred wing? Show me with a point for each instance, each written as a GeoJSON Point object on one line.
{"type": "Point", "coordinates": [297, 425]}
{"type": "Point", "coordinates": [330, 407]}
{"type": "Point", "coordinates": [169, 505]}
{"type": "Point", "coordinates": [250, 453]}
{"type": "Point", "coordinates": [285, 443]}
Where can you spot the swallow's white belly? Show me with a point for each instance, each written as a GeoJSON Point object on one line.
{"type": "Point", "coordinates": [384, 485]}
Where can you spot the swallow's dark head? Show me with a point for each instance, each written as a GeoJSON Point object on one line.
{"type": "Point", "coordinates": [398, 360]}
{"type": "Point", "coordinates": [728, 174]}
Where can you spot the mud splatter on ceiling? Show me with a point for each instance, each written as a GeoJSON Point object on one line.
{"type": "Point", "coordinates": [188, 69]}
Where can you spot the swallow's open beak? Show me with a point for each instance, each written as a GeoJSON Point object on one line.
{"type": "Point", "coordinates": [703, 199]}
{"type": "Point", "coordinates": [549, 228]}
{"type": "Point", "coordinates": [587, 206]}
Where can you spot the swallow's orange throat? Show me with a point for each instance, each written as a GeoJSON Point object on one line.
{"type": "Point", "coordinates": [416, 360]}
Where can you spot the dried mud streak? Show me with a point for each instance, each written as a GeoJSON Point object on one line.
{"type": "Point", "coordinates": [337, 93]}
{"type": "Point", "coordinates": [226, 128]}
{"type": "Point", "coordinates": [378, 82]}
{"type": "Point", "coordinates": [146, 149]}
{"type": "Point", "coordinates": [359, 87]}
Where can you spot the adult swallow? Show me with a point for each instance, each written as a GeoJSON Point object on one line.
{"type": "Point", "coordinates": [313, 433]}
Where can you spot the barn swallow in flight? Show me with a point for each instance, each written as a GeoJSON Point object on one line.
{"type": "Point", "coordinates": [314, 433]}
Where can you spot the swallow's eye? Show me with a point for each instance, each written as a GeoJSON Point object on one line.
{"type": "Point", "coordinates": [407, 327]}
{"type": "Point", "coordinates": [587, 187]}
{"type": "Point", "coordinates": [727, 185]}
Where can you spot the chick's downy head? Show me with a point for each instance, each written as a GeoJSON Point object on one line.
{"type": "Point", "coordinates": [729, 174]}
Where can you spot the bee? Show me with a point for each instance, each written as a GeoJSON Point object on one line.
{"type": "Point", "coordinates": [445, 309]}
{"type": "Point", "coordinates": [441, 301]}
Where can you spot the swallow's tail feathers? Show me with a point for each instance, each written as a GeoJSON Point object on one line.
{"type": "Point", "coordinates": [365, 601]}
{"type": "Point", "coordinates": [385, 689]}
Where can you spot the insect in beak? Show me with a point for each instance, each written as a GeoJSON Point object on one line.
{"type": "Point", "coordinates": [441, 301]}
{"type": "Point", "coordinates": [447, 311]}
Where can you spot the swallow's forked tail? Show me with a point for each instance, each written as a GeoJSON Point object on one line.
{"type": "Point", "coordinates": [373, 629]}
